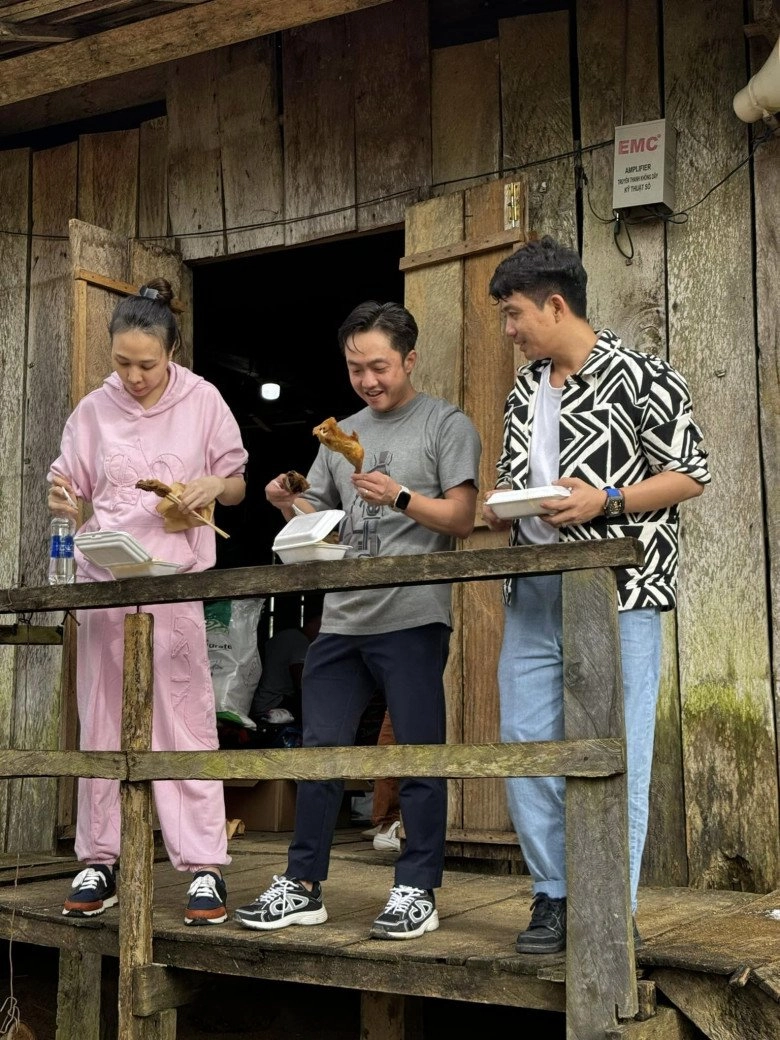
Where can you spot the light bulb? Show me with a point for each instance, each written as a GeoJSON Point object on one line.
{"type": "Point", "coordinates": [270, 391]}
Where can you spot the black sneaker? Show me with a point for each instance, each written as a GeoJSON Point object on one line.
{"type": "Point", "coordinates": [409, 912]}
{"type": "Point", "coordinates": [207, 899]}
{"type": "Point", "coordinates": [286, 902]}
{"type": "Point", "coordinates": [92, 891]}
{"type": "Point", "coordinates": [546, 932]}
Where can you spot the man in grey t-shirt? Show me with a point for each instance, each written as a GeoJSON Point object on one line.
{"type": "Point", "coordinates": [416, 494]}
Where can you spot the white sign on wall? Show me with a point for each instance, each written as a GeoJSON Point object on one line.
{"type": "Point", "coordinates": [644, 165]}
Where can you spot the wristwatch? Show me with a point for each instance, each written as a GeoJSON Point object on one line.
{"type": "Point", "coordinates": [402, 499]}
{"type": "Point", "coordinates": [615, 502]}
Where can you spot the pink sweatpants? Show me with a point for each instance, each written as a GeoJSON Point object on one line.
{"type": "Point", "coordinates": [191, 812]}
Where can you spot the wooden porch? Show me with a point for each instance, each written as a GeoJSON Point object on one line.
{"type": "Point", "coordinates": [714, 955]}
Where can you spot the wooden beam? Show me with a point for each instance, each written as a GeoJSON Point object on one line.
{"type": "Point", "coordinates": [377, 572]}
{"type": "Point", "coordinates": [37, 32]}
{"type": "Point", "coordinates": [513, 237]}
{"type": "Point", "coordinates": [168, 37]}
{"type": "Point", "coordinates": [718, 1009]}
{"type": "Point", "coordinates": [31, 635]}
{"type": "Point", "coordinates": [667, 1024]}
{"type": "Point", "coordinates": [157, 987]}
{"type": "Point", "coordinates": [78, 995]}
{"type": "Point", "coordinates": [110, 765]}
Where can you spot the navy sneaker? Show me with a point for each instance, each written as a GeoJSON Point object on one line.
{"type": "Point", "coordinates": [207, 899]}
{"type": "Point", "coordinates": [93, 890]}
{"type": "Point", "coordinates": [286, 902]}
{"type": "Point", "coordinates": [409, 912]}
{"type": "Point", "coordinates": [546, 932]}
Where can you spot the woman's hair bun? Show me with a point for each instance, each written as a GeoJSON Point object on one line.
{"type": "Point", "coordinates": [159, 289]}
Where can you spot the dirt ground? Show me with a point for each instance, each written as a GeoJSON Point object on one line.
{"type": "Point", "coordinates": [250, 1009]}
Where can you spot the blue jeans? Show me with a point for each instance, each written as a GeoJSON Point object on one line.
{"type": "Point", "coordinates": [340, 675]}
{"type": "Point", "coordinates": [530, 677]}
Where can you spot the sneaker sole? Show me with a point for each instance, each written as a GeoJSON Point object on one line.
{"type": "Point", "coordinates": [429, 925]}
{"type": "Point", "coordinates": [308, 918]}
{"type": "Point", "coordinates": [107, 904]}
{"type": "Point", "coordinates": [205, 920]}
{"type": "Point", "coordinates": [556, 947]}
{"type": "Point", "coordinates": [387, 845]}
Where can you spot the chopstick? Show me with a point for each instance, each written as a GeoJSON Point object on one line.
{"type": "Point", "coordinates": [177, 502]}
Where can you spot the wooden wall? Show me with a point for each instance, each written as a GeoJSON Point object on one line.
{"type": "Point", "coordinates": [253, 153]}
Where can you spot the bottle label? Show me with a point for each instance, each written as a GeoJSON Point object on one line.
{"type": "Point", "coordinates": [61, 546]}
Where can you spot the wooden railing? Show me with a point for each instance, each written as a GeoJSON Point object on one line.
{"type": "Point", "coordinates": [600, 970]}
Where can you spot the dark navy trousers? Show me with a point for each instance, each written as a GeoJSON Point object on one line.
{"type": "Point", "coordinates": [340, 676]}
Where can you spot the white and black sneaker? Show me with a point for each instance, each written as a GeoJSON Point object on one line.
{"type": "Point", "coordinates": [93, 890]}
{"type": "Point", "coordinates": [286, 902]}
{"type": "Point", "coordinates": [409, 912]}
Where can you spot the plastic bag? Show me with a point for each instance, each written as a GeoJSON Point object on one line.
{"type": "Point", "coordinates": [231, 637]}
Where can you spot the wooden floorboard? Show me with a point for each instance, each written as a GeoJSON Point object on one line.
{"type": "Point", "coordinates": [470, 957]}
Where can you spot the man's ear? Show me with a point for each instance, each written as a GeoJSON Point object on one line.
{"type": "Point", "coordinates": [410, 361]}
{"type": "Point", "coordinates": [559, 306]}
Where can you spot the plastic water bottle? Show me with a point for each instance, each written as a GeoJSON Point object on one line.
{"type": "Point", "coordinates": [62, 569]}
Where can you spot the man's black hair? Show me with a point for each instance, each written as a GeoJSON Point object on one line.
{"type": "Point", "coordinates": [391, 318]}
{"type": "Point", "coordinates": [538, 270]}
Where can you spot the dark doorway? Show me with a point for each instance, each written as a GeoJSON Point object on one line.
{"type": "Point", "coordinates": [274, 318]}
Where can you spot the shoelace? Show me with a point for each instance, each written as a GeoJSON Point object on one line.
{"type": "Point", "coordinates": [401, 898]}
{"type": "Point", "coordinates": [280, 887]}
{"type": "Point", "coordinates": [88, 878]}
{"type": "Point", "coordinates": [204, 887]}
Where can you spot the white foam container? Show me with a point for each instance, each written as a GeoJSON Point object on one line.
{"type": "Point", "coordinates": [300, 540]}
{"type": "Point", "coordinates": [508, 505]}
{"type": "Point", "coordinates": [122, 554]}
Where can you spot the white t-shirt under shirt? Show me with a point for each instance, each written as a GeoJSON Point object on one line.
{"type": "Point", "coordinates": [429, 446]}
{"type": "Point", "coordinates": [544, 456]}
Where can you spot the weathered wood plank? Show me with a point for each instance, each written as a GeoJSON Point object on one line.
{"type": "Point", "coordinates": [63, 763]}
{"type": "Point", "coordinates": [78, 996]}
{"type": "Point", "coordinates": [478, 243]}
{"type": "Point", "coordinates": [137, 880]}
{"type": "Point", "coordinates": [537, 117]}
{"type": "Point", "coordinates": [488, 376]}
{"type": "Point", "coordinates": [631, 300]}
{"type": "Point", "coordinates": [108, 181]}
{"type": "Point", "coordinates": [392, 110]}
{"type": "Point", "coordinates": [251, 145]}
{"type": "Point", "coordinates": [23, 634]}
{"type": "Point", "coordinates": [157, 987]}
{"type": "Point", "coordinates": [730, 748]}
{"type": "Point", "coordinates": [14, 265]}
{"type": "Point", "coordinates": [667, 1024]}
{"type": "Point", "coordinates": [722, 1012]}
{"type": "Point", "coordinates": [32, 805]}
{"type": "Point", "coordinates": [176, 35]}
{"type": "Point", "coordinates": [600, 950]}
{"type": "Point", "coordinates": [390, 1016]}
{"type": "Point", "coordinates": [376, 572]}
{"type": "Point", "coordinates": [319, 132]}
{"type": "Point", "coordinates": [195, 202]}
{"type": "Point", "coordinates": [465, 115]}
{"type": "Point", "coordinates": [153, 178]}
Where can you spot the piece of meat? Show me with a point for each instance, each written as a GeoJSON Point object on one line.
{"type": "Point", "coordinates": [296, 482]}
{"type": "Point", "coordinates": [157, 486]}
{"type": "Point", "coordinates": [332, 436]}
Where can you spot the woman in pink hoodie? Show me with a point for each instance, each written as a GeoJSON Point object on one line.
{"type": "Point", "coordinates": [151, 418]}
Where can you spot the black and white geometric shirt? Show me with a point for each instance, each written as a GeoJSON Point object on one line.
{"type": "Point", "coordinates": [625, 416]}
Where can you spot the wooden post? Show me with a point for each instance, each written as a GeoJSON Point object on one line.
{"type": "Point", "coordinates": [137, 887]}
{"type": "Point", "coordinates": [600, 971]}
{"type": "Point", "coordinates": [78, 996]}
{"type": "Point", "coordinates": [390, 1016]}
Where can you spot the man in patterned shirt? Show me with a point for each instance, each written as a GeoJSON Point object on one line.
{"type": "Point", "coordinates": [614, 426]}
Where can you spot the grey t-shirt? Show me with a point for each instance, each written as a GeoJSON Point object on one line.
{"type": "Point", "coordinates": [430, 446]}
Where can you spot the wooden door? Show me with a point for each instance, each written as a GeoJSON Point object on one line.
{"type": "Point", "coordinates": [105, 266]}
{"type": "Point", "coordinates": [453, 244]}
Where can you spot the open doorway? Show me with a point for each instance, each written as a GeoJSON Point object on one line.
{"type": "Point", "coordinates": [273, 317]}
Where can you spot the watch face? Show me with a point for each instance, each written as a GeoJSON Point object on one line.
{"type": "Point", "coordinates": [404, 497]}
{"type": "Point", "coordinates": [614, 505]}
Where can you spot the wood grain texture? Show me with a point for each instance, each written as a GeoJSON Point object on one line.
{"type": "Point", "coordinates": [108, 181]}
{"type": "Point", "coordinates": [390, 1016]}
{"type": "Point", "coordinates": [319, 131]}
{"type": "Point", "coordinates": [362, 573]}
{"type": "Point", "coordinates": [153, 178]}
{"type": "Point", "coordinates": [195, 203]}
{"type": "Point", "coordinates": [721, 1011]}
{"type": "Point", "coordinates": [730, 747]}
{"type": "Point", "coordinates": [78, 995]}
{"type": "Point", "coordinates": [631, 300]}
{"type": "Point", "coordinates": [32, 803]}
{"type": "Point", "coordinates": [392, 110]}
{"type": "Point", "coordinates": [251, 145]}
{"type": "Point", "coordinates": [666, 1024]}
{"type": "Point", "coordinates": [465, 115]}
{"type": "Point", "coordinates": [178, 35]}
{"type": "Point", "coordinates": [14, 265]}
{"type": "Point", "coordinates": [157, 987]}
{"type": "Point", "coordinates": [536, 116]}
{"type": "Point", "coordinates": [600, 951]}
{"type": "Point", "coordinates": [488, 375]}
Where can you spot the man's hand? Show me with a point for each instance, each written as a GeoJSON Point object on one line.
{"type": "Point", "coordinates": [277, 494]}
{"type": "Point", "coordinates": [495, 523]}
{"type": "Point", "coordinates": [378, 489]}
{"type": "Point", "coordinates": [584, 503]}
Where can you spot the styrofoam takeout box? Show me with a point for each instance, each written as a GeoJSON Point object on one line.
{"type": "Point", "coordinates": [122, 554]}
{"type": "Point", "coordinates": [300, 540]}
{"type": "Point", "coordinates": [527, 502]}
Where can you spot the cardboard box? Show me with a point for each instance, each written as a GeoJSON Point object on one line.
{"type": "Point", "coordinates": [265, 805]}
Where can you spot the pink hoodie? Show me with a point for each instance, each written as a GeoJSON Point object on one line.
{"type": "Point", "coordinates": [110, 441]}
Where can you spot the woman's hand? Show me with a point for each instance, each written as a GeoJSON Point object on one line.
{"type": "Point", "coordinates": [200, 492]}
{"type": "Point", "coordinates": [57, 501]}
